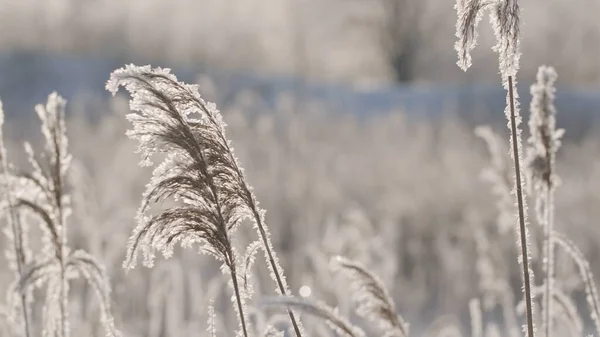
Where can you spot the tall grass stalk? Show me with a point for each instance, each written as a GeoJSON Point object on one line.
{"type": "Point", "coordinates": [16, 230]}
{"type": "Point", "coordinates": [504, 17]}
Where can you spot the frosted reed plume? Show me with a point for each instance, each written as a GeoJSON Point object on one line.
{"type": "Point", "coordinates": [544, 142]}
{"type": "Point", "coordinates": [504, 17]}
{"type": "Point", "coordinates": [337, 322]}
{"type": "Point", "coordinates": [585, 272]}
{"type": "Point", "coordinates": [42, 194]}
{"type": "Point", "coordinates": [373, 300]}
{"type": "Point", "coordinates": [196, 173]}
{"type": "Point", "coordinates": [200, 171]}
{"type": "Point", "coordinates": [17, 257]}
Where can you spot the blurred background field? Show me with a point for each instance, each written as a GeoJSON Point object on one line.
{"type": "Point", "coordinates": [354, 125]}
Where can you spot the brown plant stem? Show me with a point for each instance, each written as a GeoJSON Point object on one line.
{"type": "Point", "coordinates": [519, 192]}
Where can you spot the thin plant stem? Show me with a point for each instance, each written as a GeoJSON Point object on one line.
{"type": "Point", "coordinates": [520, 205]}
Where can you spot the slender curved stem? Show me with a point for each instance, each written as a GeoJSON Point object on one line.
{"type": "Point", "coordinates": [520, 204]}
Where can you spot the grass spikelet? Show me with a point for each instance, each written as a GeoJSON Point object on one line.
{"type": "Point", "coordinates": [372, 298]}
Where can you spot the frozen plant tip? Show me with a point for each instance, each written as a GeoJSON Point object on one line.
{"type": "Point", "coordinates": [200, 173]}
{"type": "Point", "coordinates": [374, 302]}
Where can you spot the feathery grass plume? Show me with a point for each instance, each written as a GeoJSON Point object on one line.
{"type": "Point", "coordinates": [198, 173]}
{"type": "Point", "coordinates": [476, 318]}
{"type": "Point", "coordinates": [541, 156]}
{"type": "Point", "coordinates": [585, 271]}
{"type": "Point", "coordinates": [374, 302]}
{"type": "Point", "coordinates": [15, 233]}
{"type": "Point", "coordinates": [201, 171]}
{"type": "Point", "coordinates": [318, 309]}
{"type": "Point", "coordinates": [42, 194]}
{"type": "Point", "coordinates": [504, 18]}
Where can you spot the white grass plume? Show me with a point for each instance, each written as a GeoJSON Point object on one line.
{"type": "Point", "coordinates": [373, 300]}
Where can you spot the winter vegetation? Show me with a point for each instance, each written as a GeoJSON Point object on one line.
{"type": "Point", "coordinates": [383, 226]}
